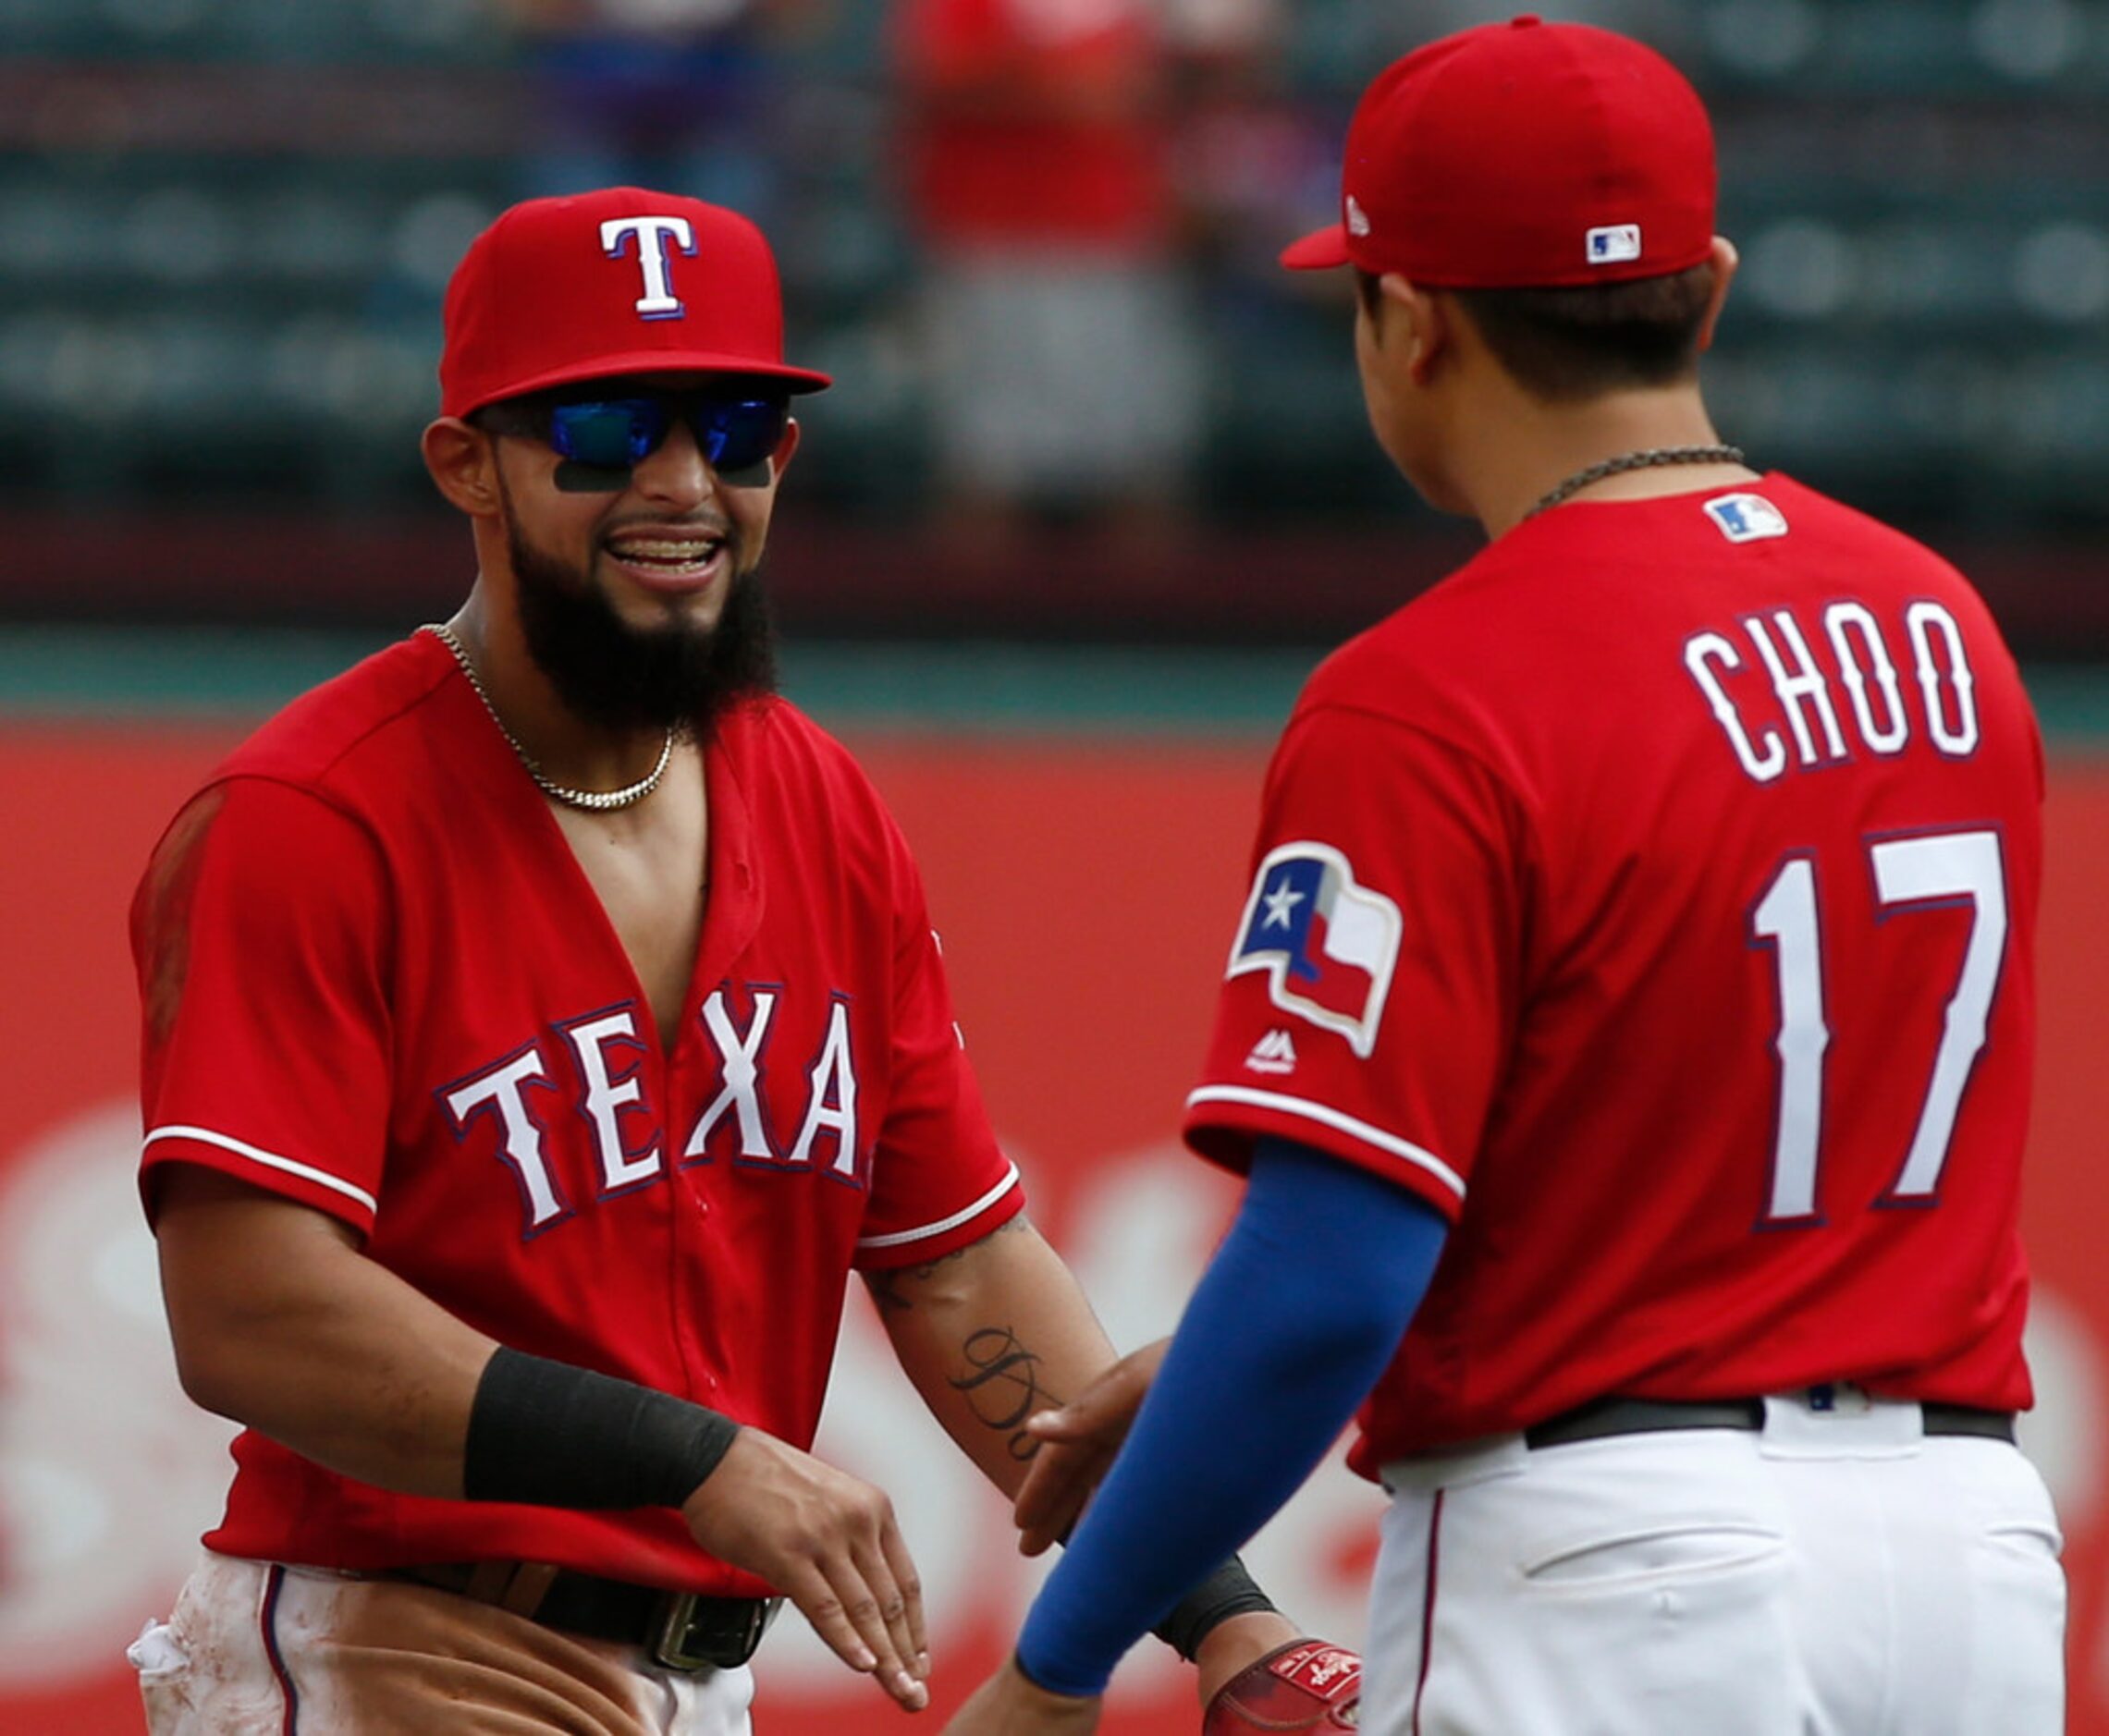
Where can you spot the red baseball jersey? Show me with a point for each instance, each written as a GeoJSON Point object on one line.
{"type": "Point", "coordinates": [1655, 897]}
{"type": "Point", "coordinates": [377, 982]}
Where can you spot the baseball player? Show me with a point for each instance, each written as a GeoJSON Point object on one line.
{"type": "Point", "coordinates": [541, 1021]}
{"type": "Point", "coordinates": [1628, 1030]}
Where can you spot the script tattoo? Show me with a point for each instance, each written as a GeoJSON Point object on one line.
{"type": "Point", "coordinates": [1001, 1385]}
{"type": "Point", "coordinates": [1004, 1387]}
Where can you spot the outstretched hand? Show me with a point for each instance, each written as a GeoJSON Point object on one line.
{"type": "Point", "coordinates": [1076, 1444]}
{"type": "Point", "coordinates": [828, 1542]}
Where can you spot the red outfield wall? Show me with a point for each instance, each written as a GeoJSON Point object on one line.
{"type": "Point", "coordinates": [1087, 895]}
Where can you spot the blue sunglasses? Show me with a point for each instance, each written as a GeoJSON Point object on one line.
{"type": "Point", "coordinates": [616, 433]}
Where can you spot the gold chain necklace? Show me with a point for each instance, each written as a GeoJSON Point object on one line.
{"type": "Point", "coordinates": [591, 801]}
{"type": "Point", "coordinates": [1643, 460]}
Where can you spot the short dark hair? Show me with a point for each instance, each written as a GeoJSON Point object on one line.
{"type": "Point", "coordinates": [1566, 344]}
{"type": "Point", "coordinates": [527, 416]}
{"type": "Point", "coordinates": [1370, 288]}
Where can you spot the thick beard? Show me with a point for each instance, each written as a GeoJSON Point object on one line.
{"type": "Point", "coordinates": [624, 678]}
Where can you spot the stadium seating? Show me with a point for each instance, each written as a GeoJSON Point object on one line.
{"type": "Point", "coordinates": [225, 226]}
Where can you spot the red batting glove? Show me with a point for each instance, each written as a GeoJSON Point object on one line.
{"type": "Point", "coordinates": [1306, 1685]}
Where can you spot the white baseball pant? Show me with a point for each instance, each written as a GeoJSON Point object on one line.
{"type": "Point", "coordinates": [255, 1649]}
{"type": "Point", "coordinates": [1837, 1573]}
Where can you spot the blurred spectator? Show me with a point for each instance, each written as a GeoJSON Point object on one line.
{"type": "Point", "coordinates": [1255, 158]}
{"type": "Point", "coordinates": [1064, 368]}
{"type": "Point", "coordinates": [667, 93]}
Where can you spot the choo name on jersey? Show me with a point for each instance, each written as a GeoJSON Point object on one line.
{"type": "Point", "coordinates": [1765, 685]}
{"type": "Point", "coordinates": [598, 1073]}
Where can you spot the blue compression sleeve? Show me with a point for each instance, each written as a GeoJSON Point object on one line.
{"type": "Point", "coordinates": [1297, 1315]}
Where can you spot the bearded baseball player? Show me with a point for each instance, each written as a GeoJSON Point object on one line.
{"type": "Point", "coordinates": [1626, 1034]}
{"type": "Point", "coordinates": [541, 1020]}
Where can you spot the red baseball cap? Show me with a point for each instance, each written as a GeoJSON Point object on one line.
{"type": "Point", "coordinates": [621, 281]}
{"type": "Point", "coordinates": [1524, 154]}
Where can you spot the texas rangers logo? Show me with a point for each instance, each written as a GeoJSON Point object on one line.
{"type": "Point", "coordinates": [1328, 945]}
{"type": "Point", "coordinates": [653, 236]}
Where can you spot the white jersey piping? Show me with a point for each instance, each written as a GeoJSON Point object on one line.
{"type": "Point", "coordinates": [899, 1236]}
{"type": "Point", "coordinates": [270, 1160]}
{"type": "Point", "coordinates": [1333, 1118]}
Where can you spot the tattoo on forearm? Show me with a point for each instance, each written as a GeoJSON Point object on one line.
{"type": "Point", "coordinates": [1003, 1388]}
{"type": "Point", "coordinates": [1002, 1382]}
{"type": "Point", "coordinates": [890, 1290]}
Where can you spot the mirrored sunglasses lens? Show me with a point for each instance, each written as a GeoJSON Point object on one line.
{"type": "Point", "coordinates": [737, 436]}
{"type": "Point", "coordinates": [610, 435]}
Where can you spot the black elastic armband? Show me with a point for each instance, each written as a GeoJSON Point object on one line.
{"type": "Point", "coordinates": [553, 1436]}
{"type": "Point", "coordinates": [1229, 1591]}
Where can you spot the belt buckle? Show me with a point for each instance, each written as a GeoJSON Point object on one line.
{"type": "Point", "coordinates": [677, 1642]}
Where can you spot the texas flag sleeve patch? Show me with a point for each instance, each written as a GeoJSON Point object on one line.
{"type": "Point", "coordinates": [1327, 944]}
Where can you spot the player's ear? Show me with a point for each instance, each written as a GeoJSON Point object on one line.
{"type": "Point", "coordinates": [780, 457]}
{"type": "Point", "coordinates": [462, 462]}
{"type": "Point", "coordinates": [1426, 320]}
{"type": "Point", "coordinates": [1724, 258]}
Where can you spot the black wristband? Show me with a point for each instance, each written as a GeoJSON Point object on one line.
{"type": "Point", "coordinates": [553, 1436]}
{"type": "Point", "coordinates": [1229, 1591]}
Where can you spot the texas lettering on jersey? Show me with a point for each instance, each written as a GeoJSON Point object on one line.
{"type": "Point", "coordinates": [600, 1076]}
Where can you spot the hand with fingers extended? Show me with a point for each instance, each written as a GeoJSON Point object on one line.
{"type": "Point", "coordinates": [828, 1542]}
{"type": "Point", "coordinates": [1076, 1445]}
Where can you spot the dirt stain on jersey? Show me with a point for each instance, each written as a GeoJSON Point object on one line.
{"type": "Point", "coordinates": [162, 914]}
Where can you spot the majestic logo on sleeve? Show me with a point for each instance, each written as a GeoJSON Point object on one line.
{"type": "Point", "coordinates": [1274, 1053]}
{"type": "Point", "coordinates": [1328, 945]}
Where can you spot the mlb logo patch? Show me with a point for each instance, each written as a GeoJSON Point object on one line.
{"type": "Point", "coordinates": [1745, 517]}
{"type": "Point", "coordinates": [1615, 243]}
{"type": "Point", "coordinates": [1326, 945]}
{"type": "Point", "coordinates": [1357, 219]}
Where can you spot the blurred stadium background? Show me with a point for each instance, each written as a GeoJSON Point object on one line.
{"type": "Point", "coordinates": [1092, 492]}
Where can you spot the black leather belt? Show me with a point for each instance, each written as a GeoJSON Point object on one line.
{"type": "Point", "coordinates": [679, 1630]}
{"type": "Point", "coordinates": [1602, 1418]}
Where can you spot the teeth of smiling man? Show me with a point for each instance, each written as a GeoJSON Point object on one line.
{"type": "Point", "coordinates": [684, 551]}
